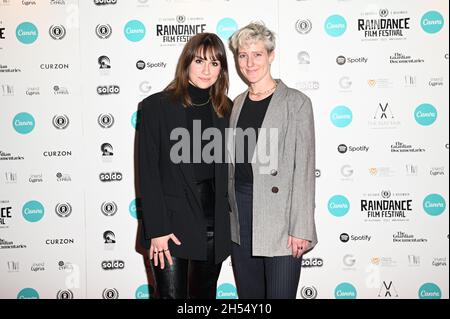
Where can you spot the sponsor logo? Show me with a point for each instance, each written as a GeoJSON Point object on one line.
{"type": "Point", "coordinates": [113, 264]}
{"type": "Point", "coordinates": [110, 293]}
{"type": "Point", "coordinates": [178, 30]}
{"type": "Point", "coordinates": [103, 31]}
{"type": "Point", "coordinates": [432, 22]}
{"type": "Point", "coordinates": [57, 32]}
{"type": "Point", "coordinates": [110, 177]}
{"type": "Point", "coordinates": [335, 25]}
{"type": "Point", "coordinates": [402, 237]}
{"type": "Point", "coordinates": [64, 294]}
{"type": "Point", "coordinates": [63, 209]}
{"type": "Point", "coordinates": [109, 208]}
{"type": "Point", "coordinates": [400, 147]}
{"type": "Point", "coordinates": [27, 33]}
{"type": "Point", "coordinates": [226, 27]}
{"type": "Point", "coordinates": [60, 121]}
{"type": "Point", "coordinates": [387, 290]}
{"type": "Point", "coordinates": [308, 292]}
{"type": "Point", "coordinates": [226, 291]}
{"type": "Point", "coordinates": [386, 206]}
{"type": "Point", "coordinates": [105, 120]}
{"type": "Point", "coordinates": [303, 26]}
{"type": "Point", "coordinates": [23, 123]}
{"type": "Point", "coordinates": [60, 241]}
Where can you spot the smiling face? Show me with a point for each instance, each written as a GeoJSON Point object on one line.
{"type": "Point", "coordinates": [204, 70]}
{"type": "Point", "coordinates": [254, 62]}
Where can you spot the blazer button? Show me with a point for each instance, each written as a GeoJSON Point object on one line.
{"type": "Point", "coordinates": [274, 172]}
{"type": "Point", "coordinates": [275, 189]}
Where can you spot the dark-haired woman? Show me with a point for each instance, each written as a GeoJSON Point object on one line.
{"type": "Point", "coordinates": [183, 179]}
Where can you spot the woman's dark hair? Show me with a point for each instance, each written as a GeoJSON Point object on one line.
{"type": "Point", "coordinates": [202, 43]}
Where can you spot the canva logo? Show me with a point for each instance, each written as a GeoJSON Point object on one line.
{"type": "Point", "coordinates": [341, 116]}
{"type": "Point", "coordinates": [226, 27]}
{"type": "Point", "coordinates": [136, 120]}
{"type": "Point", "coordinates": [434, 204]}
{"type": "Point", "coordinates": [134, 30]}
{"type": "Point", "coordinates": [226, 291]}
{"type": "Point", "coordinates": [429, 291]}
{"type": "Point", "coordinates": [338, 205]}
{"type": "Point", "coordinates": [144, 292]}
{"type": "Point", "coordinates": [33, 211]}
{"type": "Point", "coordinates": [345, 291]}
{"type": "Point", "coordinates": [425, 114]}
{"type": "Point", "coordinates": [26, 32]}
{"type": "Point", "coordinates": [28, 293]}
{"type": "Point", "coordinates": [432, 22]}
{"type": "Point", "coordinates": [335, 25]}
{"type": "Point", "coordinates": [135, 207]}
{"type": "Point", "coordinates": [23, 123]}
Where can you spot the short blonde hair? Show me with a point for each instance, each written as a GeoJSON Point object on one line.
{"type": "Point", "coordinates": [255, 31]}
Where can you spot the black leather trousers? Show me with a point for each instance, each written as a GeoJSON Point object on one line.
{"type": "Point", "coordinates": [192, 279]}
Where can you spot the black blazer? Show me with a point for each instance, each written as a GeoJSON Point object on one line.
{"type": "Point", "coordinates": [170, 204]}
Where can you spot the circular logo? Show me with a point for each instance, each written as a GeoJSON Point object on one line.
{"type": "Point", "coordinates": [140, 65]}
{"type": "Point", "coordinates": [135, 207]}
{"type": "Point", "coordinates": [349, 260]}
{"type": "Point", "coordinates": [303, 57]}
{"type": "Point", "coordinates": [134, 31]}
{"type": "Point", "coordinates": [27, 32]}
{"type": "Point", "coordinates": [425, 114]}
{"type": "Point", "coordinates": [105, 120]}
{"type": "Point", "coordinates": [57, 32]}
{"type": "Point", "coordinates": [144, 292]}
{"type": "Point", "coordinates": [308, 292]}
{"type": "Point", "coordinates": [342, 148]}
{"type": "Point", "coordinates": [429, 291]}
{"type": "Point", "coordinates": [136, 120]}
{"type": "Point", "coordinates": [181, 19]}
{"type": "Point", "coordinates": [386, 193]}
{"type": "Point", "coordinates": [432, 22]}
{"type": "Point", "coordinates": [341, 116]}
{"type": "Point", "coordinates": [64, 294]}
{"type": "Point", "coordinates": [23, 123]}
{"type": "Point", "coordinates": [110, 293]}
{"type": "Point", "coordinates": [346, 170]}
{"type": "Point", "coordinates": [60, 121]}
{"type": "Point", "coordinates": [63, 210]}
{"type": "Point", "coordinates": [344, 237]}
{"type": "Point", "coordinates": [338, 205]}
{"type": "Point", "coordinates": [33, 211]}
{"type": "Point", "coordinates": [335, 25]}
{"type": "Point", "coordinates": [28, 293]}
{"type": "Point", "coordinates": [303, 26]}
{"type": "Point", "coordinates": [345, 290]}
{"type": "Point", "coordinates": [317, 173]}
{"type": "Point", "coordinates": [341, 60]}
{"type": "Point", "coordinates": [226, 27]}
{"type": "Point", "coordinates": [109, 208]}
{"type": "Point", "coordinates": [434, 204]}
{"type": "Point", "coordinates": [103, 31]}
{"type": "Point", "coordinates": [226, 291]}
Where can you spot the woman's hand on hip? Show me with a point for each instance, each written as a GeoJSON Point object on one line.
{"type": "Point", "coordinates": [159, 248]}
{"type": "Point", "coordinates": [298, 246]}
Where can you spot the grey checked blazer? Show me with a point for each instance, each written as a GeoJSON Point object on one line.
{"type": "Point", "coordinates": [283, 192]}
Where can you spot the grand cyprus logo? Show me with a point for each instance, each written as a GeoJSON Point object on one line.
{"type": "Point", "coordinates": [260, 145]}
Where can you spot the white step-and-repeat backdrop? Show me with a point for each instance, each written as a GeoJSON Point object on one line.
{"type": "Point", "coordinates": [73, 72]}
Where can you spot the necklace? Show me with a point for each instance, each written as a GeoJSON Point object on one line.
{"type": "Point", "coordinates": [263, 93]}
{"type": "Point", "coordinates": [202, 104]}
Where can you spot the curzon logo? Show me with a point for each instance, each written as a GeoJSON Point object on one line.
{"type": "Point", "coordinates": [26, 32]}
{"type": "Point", "coordinates": [434, 204]}
{"type": "Point", "coordinates": [33, 211]}
{"type": "Point", "coordinates": [113, 264]}
{"type": "Point", "coordinates": [134, 31]}
{"type": "Point", "coordinates": [110, 177]}
{"type": "Point", "coordinates": [425, 114]}
{"type": "Point", "coordinates": [432, 22]}
{"type": "Point", "coordinates": [335, 26]}
{"type": "Point", "coordinates": [23, 123]}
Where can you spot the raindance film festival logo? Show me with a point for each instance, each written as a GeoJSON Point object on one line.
{"type": "Point", "coordinates": [384, 25]}
{"type": "Point", "coordinates": [178, 30]}
{"type": "Point", "coordinates": [5, 214]}
{"type": "Point", "coordinates": [386, 206]}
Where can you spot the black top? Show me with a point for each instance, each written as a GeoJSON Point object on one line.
{"type": "Point", "coordinates": [203, 115]}
{"type": "Point", "coordinates": [251, 116]}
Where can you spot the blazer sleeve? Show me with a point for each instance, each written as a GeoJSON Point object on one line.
{"type": "Point", "coordinates": [155, 219]}
{"type": "Point", "coordinates": [302, 224]}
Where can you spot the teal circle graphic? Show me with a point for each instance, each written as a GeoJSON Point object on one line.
{"type": "Point", "coordinates": [429, 291]}
{"type": "Point", "coordinates": [432, 22]}
{"type": "Point", "coordinates": [341, 116]}
{"type": "Point", "coordinates": [136, 120]}
{"type": "Point", "coordinates": [335, 25]}
{"type": "Point", "coordinates": [144, 292]}
{"type": "Point", "coordinates": [434, 204]}
{"type": "Point", "coordinates": [134, 30]}
{"type": "Point", "coordinates": [23, 123]}
{"type": "Point", "coordinates": [226, 291]}
{"type": "Point", "coordinates": [425, 114]}
{"type": "Point", "coordinates": [33, 211]}
{"type": "Point", "coordinates": [28, 293]}
{"type": "Point", "coordinates": [338, 205]}
{"type": "Point", "coordinates": [135, 208]}
{"type": "Point", "coordinates": [345, 290]}
{"type": "Point", "coordinates": [27, 32]}
{"type": "Point", "coordinates": [226, 27]}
